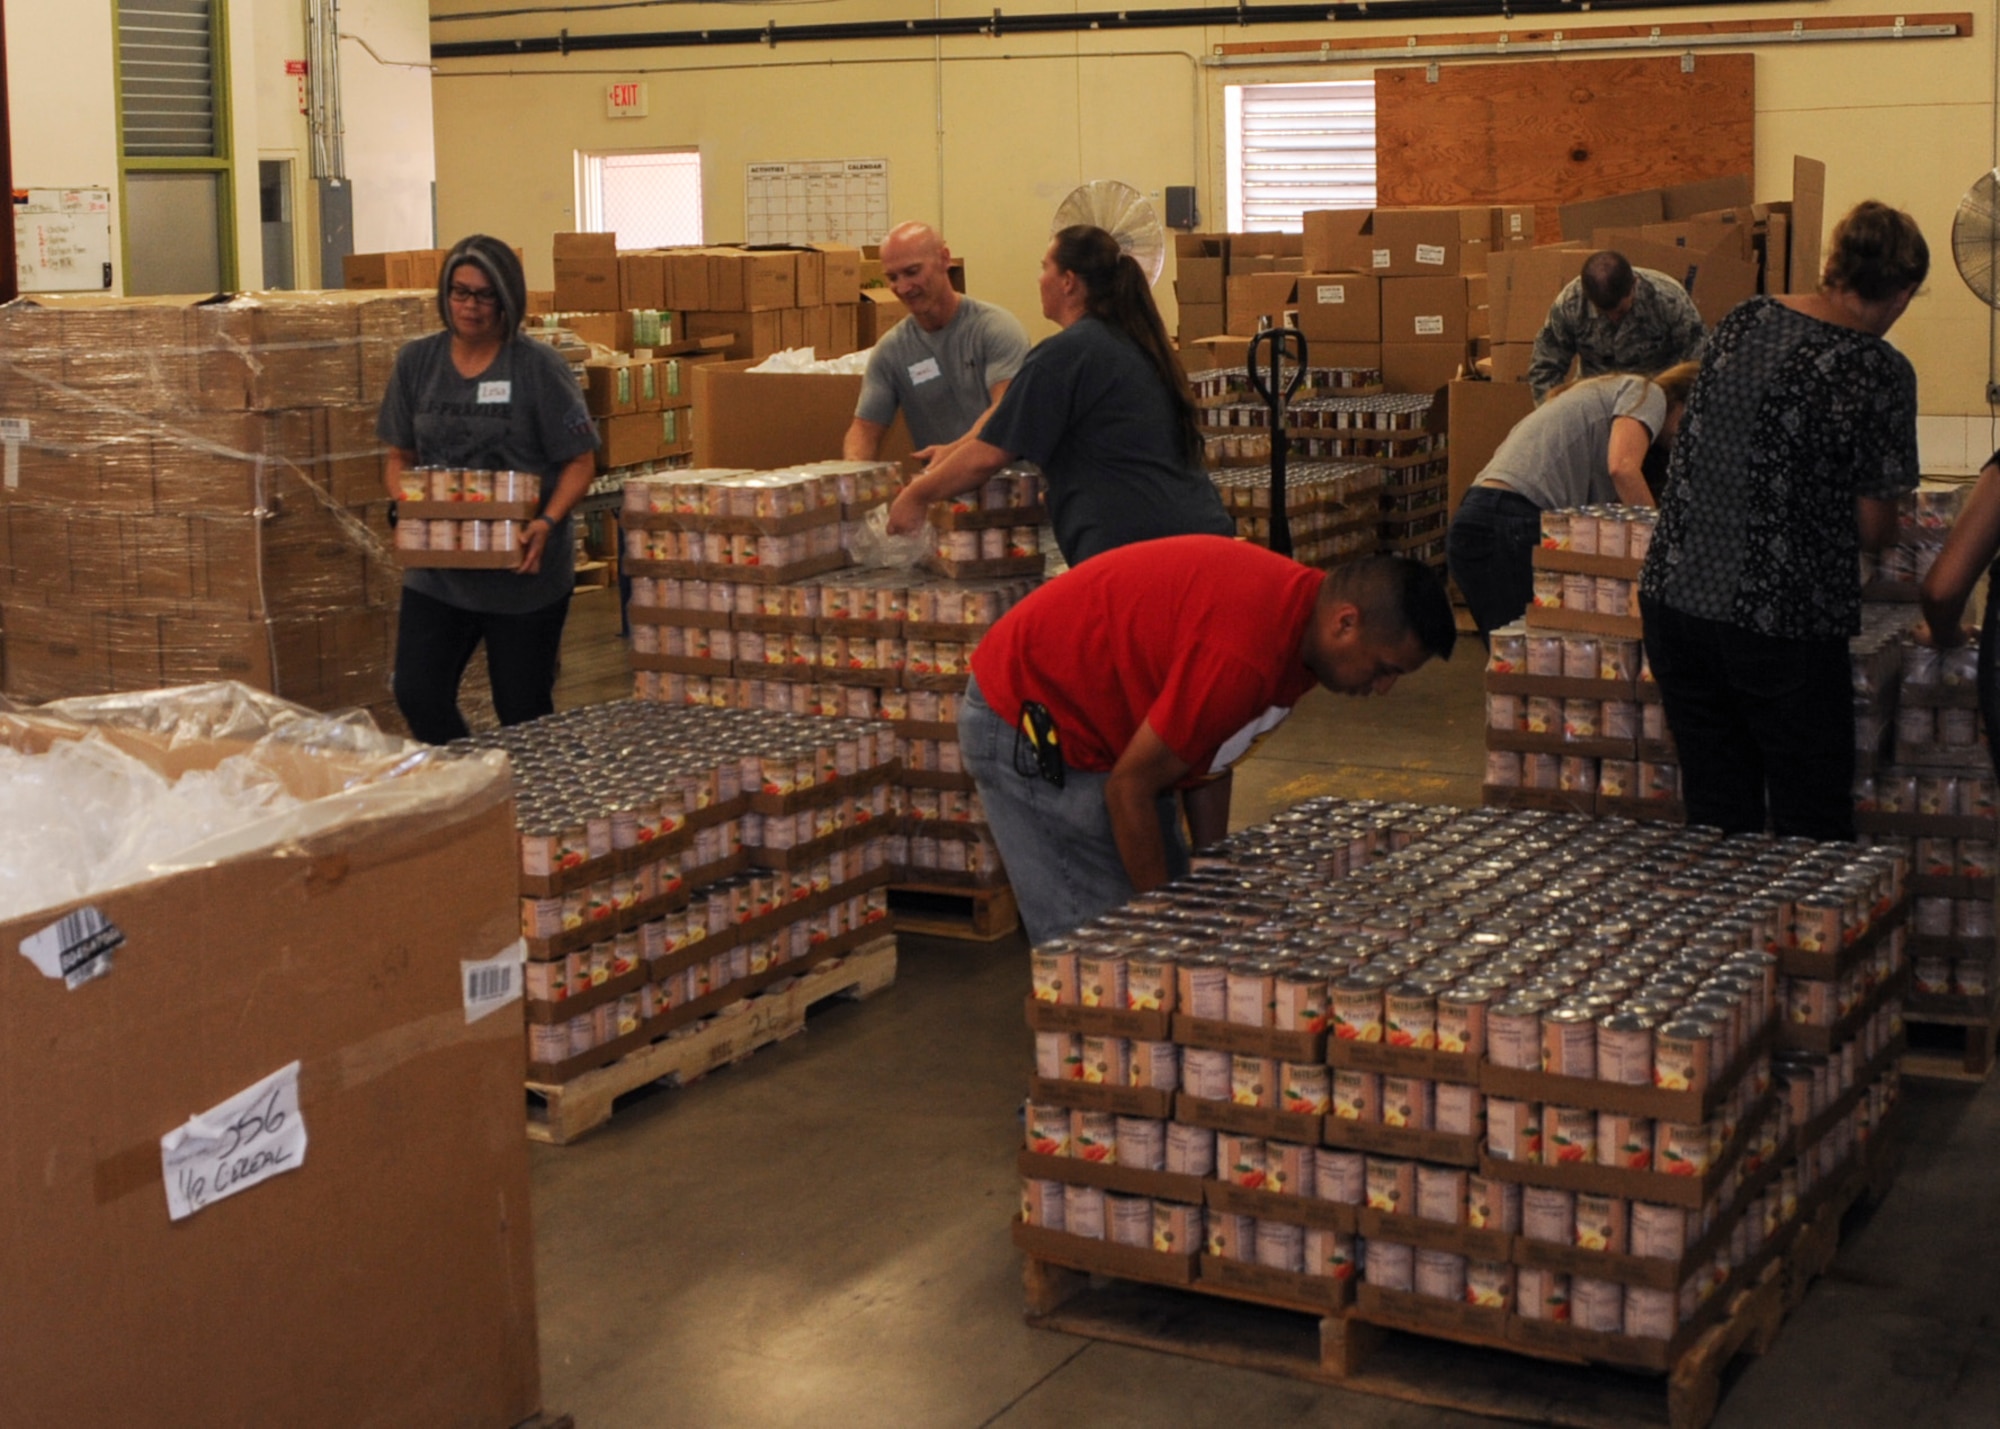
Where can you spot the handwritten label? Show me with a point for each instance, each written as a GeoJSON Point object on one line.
{"type": "Point", "coordinates": [1430, 327]}
{"type": "Point", "coordinates": [925, 371]}
{"type": "Point", "coordinates": [1381, 257]}
{"type": "Point", "coordinates": [1431, 253]}
{"type": "Point", "coordinates": [1331, 293]}
{"type": "Point", "coordinates": [255, 1135]}
{"type": "Point", "coordinates": [76, 948]}
{"type": "Point", "coordinates": [491, 983]}
{"type": "Point", "coordinates": [496, 392]}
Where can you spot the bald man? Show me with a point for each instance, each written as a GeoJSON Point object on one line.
{"type": "Point", "coordinates": [945, 365]}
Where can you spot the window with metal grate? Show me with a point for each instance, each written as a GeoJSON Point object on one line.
{"type": "Point", "coordinates": [650, 200]}
{"type": "Point", "coordinates": [1292, 147]}
{"type": "Point", "coordinates": [166, 78]}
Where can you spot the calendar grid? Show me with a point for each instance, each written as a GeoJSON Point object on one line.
{"type": "Point", "coordinates": [816, 201]}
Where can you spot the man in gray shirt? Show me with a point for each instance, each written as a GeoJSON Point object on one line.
{"type": "Point", "coordinates": [945, 365]}
{"type": "Point", "coordinates": [1616, 318]}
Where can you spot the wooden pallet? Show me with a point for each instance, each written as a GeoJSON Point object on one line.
{"type": "Point", "coordinates": [1958, 1047]}
{"type": "Point", "coordinates": [977, 915]}
{"type": "Point", "coordinates": [560, 1113]}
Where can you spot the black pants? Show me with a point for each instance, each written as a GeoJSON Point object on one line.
{"type": "Point", "coordinates": [434, 644]}
{"type": "Point", "coordinates": [1762, 724]}
{"type": "Point", "coordinates": [1490, 548]}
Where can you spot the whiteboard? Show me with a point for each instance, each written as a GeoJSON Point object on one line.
{"type": "Point", "coordinates": [817, 201]}
{"type": "Point", "coordinates": [62, 240]}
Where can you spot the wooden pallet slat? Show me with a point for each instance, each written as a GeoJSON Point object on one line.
{"type": "Point", "coordinates": [978, 915]}
{"type": "Point", "coordinates": [560, 1113]}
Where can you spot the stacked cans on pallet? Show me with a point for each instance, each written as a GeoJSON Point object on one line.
{"type": "Point", "coordinates": [675, 861]}
{"type": "Point", "coordinates": [1539, 1079]}
{"type": "Point", "coordinates": [885, 643]}
{"type": "Point", "coordinates": [1330, 507]}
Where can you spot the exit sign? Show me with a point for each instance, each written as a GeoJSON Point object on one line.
{"type": "Point", "coordinates": [625, 101]}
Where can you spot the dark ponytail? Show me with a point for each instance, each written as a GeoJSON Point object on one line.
{"type": "Point", "coordinates": [1117, 294]}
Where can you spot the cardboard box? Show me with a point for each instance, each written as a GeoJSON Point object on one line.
{"type": "Point", "coordinates": [630, 439]}
{"type": "Point", "coordinates": [1421, 367]}
{"type": "Point", "coordinates": [809, 277]}
{"type": "Point", "coordinates": [587, 285]}
{"type": "Point", "coordinates": [1717, 281]}
{"type": "Point", "coordinates": [1581, 220]}
{"type": "Point", "coordinates": [1340, 307]}
{"type": "Point", "coordinates": [1431, 242]}
{"type": "Point", "coordinates": [1202, 320]}
{"type": "Point", "coordinates": [1245, 264]}
{"type": "Point", "coordinates": [1510, 361]}
{"type": "Point", "coordinates": [842, 332]}
{"type": "Point", "coordinates": [818, 329]}
{"type": "Point", "coordinates": [1200, 282]}
{"type": "Point", "coordinates": [840, 273]}
{"type": "Point", "coordinates": [753, 281]}
{"type": "Point", "coordinates": [1686, 200]}
{"type": "Point", "coordinates": [1345, 354]}
{"type": "Point", "coordinates": [687, 278]}
{"type": "Point", "coordinates": [1257, 295]}
{"type": "Point", "coordinates": [1514, 226]}
{"type": "Point", "coordinates": [1424, 310]}
{"type": "Point", "coordinates": [878, 311]}
{"type": "Point", "coordinates": [1338, 240]}
{"type": "Point", "coordinates": [611, 388]}
{"type": "Point", "coordinates": [1221, 351]}
{"type": "Point", "coordinates": [642, 280]}
{"type": "Point", "coordinates": [610, 330]}
{"type": "Point", "coordinates": [590, 247]}
{"type": "Point", "coordinates": [415, 1184]}
{"type": "Point", "coordinates": [1522, 283]}
{"type": "Point", "coordinates": [1478, 417]}
{"type": "Point", "coordinates": [1808, 220]}
{"type": "Point", "coordinates": [791, 328]}
{"type": "Point", "coordinates": [761, 420]}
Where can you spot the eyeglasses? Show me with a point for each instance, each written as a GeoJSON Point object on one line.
{"type": "Point", "coordinates": [484, 297]}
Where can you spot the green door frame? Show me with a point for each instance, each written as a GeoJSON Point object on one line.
{"type": "Point", "coordinates": [223, 164]}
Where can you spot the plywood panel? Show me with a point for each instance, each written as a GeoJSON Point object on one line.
{"type": "Point", "coordinates": [1550, 132]}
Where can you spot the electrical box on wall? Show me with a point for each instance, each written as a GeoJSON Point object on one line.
{"type": "Point", "coordinates": [1181, 211]}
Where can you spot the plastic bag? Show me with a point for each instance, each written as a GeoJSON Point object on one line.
{"type": "Point", "coordinates": [805, 359]}
{"type": "Point", "coordinates": [874, 546]}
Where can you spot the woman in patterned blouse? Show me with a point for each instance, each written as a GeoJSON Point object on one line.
{"type": "Point", "coordinates": [1800, 436]}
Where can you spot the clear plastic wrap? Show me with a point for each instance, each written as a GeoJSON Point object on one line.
{"type": "Point", "coordinates": [195, 493]}
{"type": "Point", "coordinates": [109, 791]}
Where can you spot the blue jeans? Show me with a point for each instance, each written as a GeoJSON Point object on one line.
{"type": "Point", "coordinates": [1057, 843]}
{"type": "Point", "coordinates": [1490, 548]}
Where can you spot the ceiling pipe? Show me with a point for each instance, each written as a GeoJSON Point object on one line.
{"type": "Point", "coordinates": [568, 42]}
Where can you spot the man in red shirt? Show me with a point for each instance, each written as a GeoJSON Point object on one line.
{"type": "Point", "coordinates": [1159, 665]}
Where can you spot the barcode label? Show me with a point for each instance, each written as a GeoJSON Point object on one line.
{"type": "Point", "coordinates": [1430, 326]}
{"type": "Point", "coordinates": [491, 983]}
{"type": "Point", "coordinates": [1331, 293]}
{"type": "Point", "coordinates": [76, 948]}
{"type": "Point", "coordinates": [1431, 253]}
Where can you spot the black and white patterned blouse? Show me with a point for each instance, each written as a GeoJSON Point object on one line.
{"type": "Point", "coordinates": [1791, 419]}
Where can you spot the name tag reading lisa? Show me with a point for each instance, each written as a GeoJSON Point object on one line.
{"type": "Point", "coordinates": [922, 372]}
{"type": "Point", "coordinates": [495, 392]}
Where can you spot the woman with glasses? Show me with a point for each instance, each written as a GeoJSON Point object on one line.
{"type": "Point", "coordinates": [481, 396]}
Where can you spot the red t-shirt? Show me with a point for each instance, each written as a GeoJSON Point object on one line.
{"type": "Point", "coordinates": [1197, 634]}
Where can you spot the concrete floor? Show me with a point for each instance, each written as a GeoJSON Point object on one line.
{"type": "Point", "coordinates": [818, 1236]}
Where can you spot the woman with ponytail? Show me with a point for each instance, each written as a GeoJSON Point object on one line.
{"type": "Point", "coordinates": [1102, 408]}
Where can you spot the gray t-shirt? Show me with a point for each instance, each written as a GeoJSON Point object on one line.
{"type": "Point", "coordinates": [1558, 455]}
{"type": "Point", "coordinates": [1091, 411]}
{"type": "Point", "coordinates": [942, 380]}
{"type": "Point", "coordinates": [523, 413]}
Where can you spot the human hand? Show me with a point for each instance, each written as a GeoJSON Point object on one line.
{"type": "Point", "coordinates": [534, 538]}
{"type": "Point", "coordinates": [1922, 633]}
{"type": "Point", "coordinates": [924, 456]}
{"type": "Point", "coordinates": [907, 512]}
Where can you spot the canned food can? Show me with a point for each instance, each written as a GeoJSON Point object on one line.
{"type": "Point", "coordinates": [1083, 1211]}
{"type": "Point", "coordinates": [413, 535]}
{"type": "Point", "coordinates": [1597, 1305]}
{"type": "Point", "coordinates": [1569, 1136]}
{"type": "Point", "coordinates": [1357, 1096]}
{"type": "Point", "coordinates": [1548, 1214]}
{"type": "Point", "coordinates": [441, 535]}
{"type": "Point", "coordinates": [1542, 1294]}
{"type": "Point", "coordinates": [1392, 1185]}
{"type": "Point", "coordinates": [1440, 1274]}
{"type": "Point", "coordinates": [1492, 1204]}
{"type": "Point", "coordinates": [1190, 1150]}
{"type": "Point", "coordinates": [1390, 1265]}
{"type": "Point", "coordinates": [1093, 1136]}
{"type": "Point", "coordinates": [1177, 1229]}
{"type": "Point", "coordinates": [1461, 1110]}
{"type": "Point", "coordinates": [1340, 1176]}
{"type": "Point", "coordinates": [1513, 1130]}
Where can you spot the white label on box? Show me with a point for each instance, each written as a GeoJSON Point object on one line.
{"type": "Point", "coordinates": [1430, 327]}
{"type": "Point", "coordinates": [496, 392]}
{"type": "Point", "coordinates": [925, 371]}
{"type": "Point", "coordinates": [13, 432]}
{"type": "Point", "coordinates": [1514, 223]}
{"type": "Point", "coordinates": [76, 949]}
{"type": "Point", "coordinates": [1331, 293]}
{"type": "Point", "coordinates": [1382, 259]}
{"type": "Point", "coordinates": [255, 1135]}
{"type": "Point", "coordinates": [492, 983]}
{"type": "Point", "coordinates": [1431, 253]}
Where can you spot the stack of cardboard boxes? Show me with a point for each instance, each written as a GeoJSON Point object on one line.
{"type": "Point", "coordinates": [193, 492]}
{"type": "Point", "coordinates": [1403, 290]}
{"type": "Point", "coordinates": [762, 299]}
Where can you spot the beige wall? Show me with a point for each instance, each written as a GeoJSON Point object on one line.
{"type": "Point", "coordinates": [1027, 118]}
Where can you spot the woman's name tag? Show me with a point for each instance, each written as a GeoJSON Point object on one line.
{"type": "Point", "coordinates": [495, 392]}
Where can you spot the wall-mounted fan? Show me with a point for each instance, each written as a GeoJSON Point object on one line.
{"type": "Point", "coordinates": [1123, 212]}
